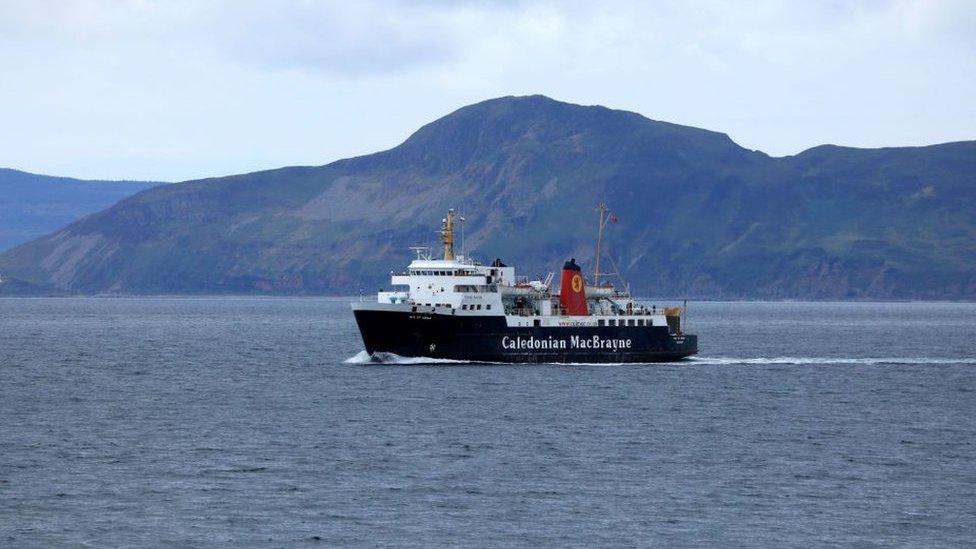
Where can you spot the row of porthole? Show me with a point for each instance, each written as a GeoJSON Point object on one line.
{"type": "Point", "coordinates": [466, 307]}
{"type": "Point", "coordinates": [629, 322]}
{"type": "Point", "coordinates": [442, 273]}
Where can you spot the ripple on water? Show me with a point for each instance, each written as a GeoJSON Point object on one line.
{"type": "Point", "coordinates": [248, 422]}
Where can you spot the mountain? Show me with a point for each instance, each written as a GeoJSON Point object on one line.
{"type": "Point", "coordinates": [699, 215]}
{"type": "Point", "coordinates": [33, 205]}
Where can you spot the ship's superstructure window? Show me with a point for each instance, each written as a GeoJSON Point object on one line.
{"type": "Point", "coordinates": [474, 288]}
{"type": "Point", "coordinates": [601, 322]}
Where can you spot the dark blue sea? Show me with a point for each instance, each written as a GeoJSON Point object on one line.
{"type": "Point", "coordinates": [239, 422]}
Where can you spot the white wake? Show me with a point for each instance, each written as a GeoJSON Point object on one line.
{"type": "Point", "coordinates": [828, 360]}
{"type": "Point", "coordinates": [362, 357]}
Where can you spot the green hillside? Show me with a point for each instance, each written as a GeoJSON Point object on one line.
{"type": "Point", "coordinates": [699, 215]}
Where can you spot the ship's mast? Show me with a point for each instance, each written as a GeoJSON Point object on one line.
{"type": "Point", "coordinates": [602, 208]}
{"type": "Point", "coordinates": [447, 235]}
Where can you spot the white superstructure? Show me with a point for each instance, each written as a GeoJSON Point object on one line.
{"type": "Point", "coordinates": [458, 285]}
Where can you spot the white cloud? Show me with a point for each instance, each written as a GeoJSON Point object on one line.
{"type": "Point", "coordinates": [180, 89]}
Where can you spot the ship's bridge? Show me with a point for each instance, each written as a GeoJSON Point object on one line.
{"type": "Point", "coordinates": [448, 282]}
{"type": "Point", "coordinates": [460, 267]}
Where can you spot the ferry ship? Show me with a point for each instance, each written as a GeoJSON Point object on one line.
{"type": "Point", "coordinates": [459, 309]}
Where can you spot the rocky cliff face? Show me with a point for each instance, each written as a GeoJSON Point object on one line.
{"type": "Point", "coordinates": [699, 215]}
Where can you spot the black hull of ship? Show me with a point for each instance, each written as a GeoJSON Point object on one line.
{"type": "Point", "coordinates": [490, 339]}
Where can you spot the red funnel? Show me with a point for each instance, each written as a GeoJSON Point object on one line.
{"type": "Point", "coordinates": [572, 290]}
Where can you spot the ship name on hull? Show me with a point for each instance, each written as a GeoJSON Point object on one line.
{"type": "Point", "coordinates": [574, 342]}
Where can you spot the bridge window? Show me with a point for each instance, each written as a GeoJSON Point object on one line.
{"type": "Point", "coordinates": [474, 288]}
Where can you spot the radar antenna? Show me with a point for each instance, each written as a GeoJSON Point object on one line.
{"type": "Point", "coordinates": [423, 252]}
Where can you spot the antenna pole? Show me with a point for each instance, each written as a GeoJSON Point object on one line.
{"type": "Point", "coordinates": [602, 208]}
{"type": "Point", "coordinates": [447, 235]}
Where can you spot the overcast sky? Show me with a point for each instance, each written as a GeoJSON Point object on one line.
{"type": "Point", "coordinates": [186, 89]}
